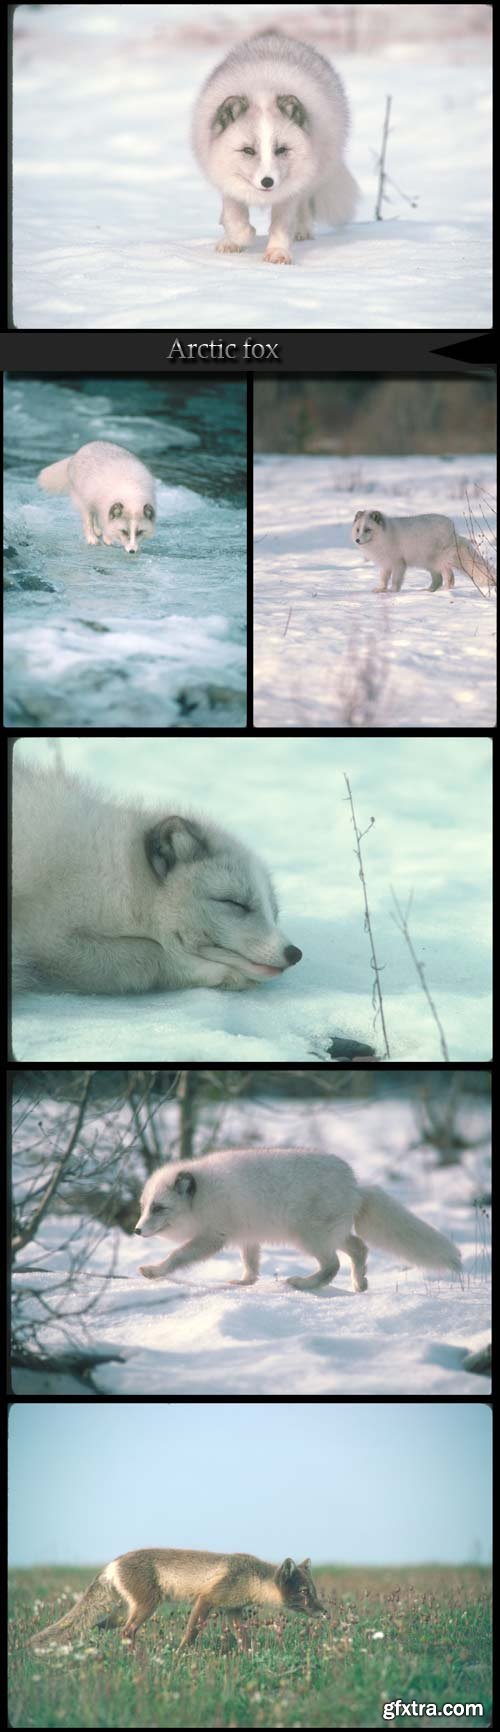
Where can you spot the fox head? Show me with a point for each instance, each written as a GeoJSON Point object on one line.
{"type": "Point", "coordinates": [220, 904]}
{"type": "Point", "coordinates": [365, 526]}
{"type": "Point", "coordinates": [128, 524]}
{"type": "Point", "coordinates": [297, 1588]}
{"type": "Point", "coordinates": [262, 152]}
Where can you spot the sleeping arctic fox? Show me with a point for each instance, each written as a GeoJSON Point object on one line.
{"type": "Point", "coordinates": [429, 542]}
{"type": "Point", "coordinates": [114, 493]}
{"type": "Point", "coordinates": [249, 1197]}
{"type": "Point", "coordinates": [108, 897]}
{"type": "Point", "coordinates": [269, 129]}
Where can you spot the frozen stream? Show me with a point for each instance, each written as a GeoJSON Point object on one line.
{"type": "Point", "coordinates": [94, 637]}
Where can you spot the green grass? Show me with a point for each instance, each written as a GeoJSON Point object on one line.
{"type": "Point", "coordinates": [435, 1647]}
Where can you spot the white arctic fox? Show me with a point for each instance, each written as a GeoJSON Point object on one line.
{"type": "Point", "coordinates": [269, 129]}
{"type": "Point", "coordinates": [108, 897]}
{"type": "Point", "coordinates": [429, 542]}
{"type": "Point", "coordinates": [114, 493]}
{"type": "Point", "coordinates": [249, 1197]}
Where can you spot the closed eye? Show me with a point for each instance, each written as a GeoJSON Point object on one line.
{"type": "Point", "coordinates": [229, 902]}
{"type": "Point", "coordinates": [247, 150]}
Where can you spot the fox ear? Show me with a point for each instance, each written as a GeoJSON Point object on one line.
{"type": "Point", "coordinates": [148, 511]}
{"type": "Point", "coordinates": [228, 111]}
{"type": "Point", "coordinates": [115, 510]}
{"type": "Point", "coordinates": [286, 1570]}
{"type": "Point", "coordinates": [378, 517]}
{"type": "Point", "coordinates": [358, 514]}
{"type": "Point", "coordinates": [292, 109]}
{"type": "Point", "coordinates": [185, 1185]}
{"type": "Point", "coordinates": [173, 842]}
{"type": "Point", "coordinates": [305, 1565]}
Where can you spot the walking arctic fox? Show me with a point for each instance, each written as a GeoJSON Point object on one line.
{"type": "Point", "coordinates": [429, 542]}
{"type": "Point", "coordinates": [269, 129]}
{"type": "Point", "coordinates": [108, 897]}
{"type": "Point", "coordinates": [249, 1197]}
{"type": "Point", "coordinates": [114, 493]}
{"type": "Point", "coordinates": [218, 1581]}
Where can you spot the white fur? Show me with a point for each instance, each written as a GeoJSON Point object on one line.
{"type": "Point", "coordinates": [282, 101]}
{"type": "Point", "coordinates": [429, 542]}
{"type": "Point", "coordinates": [249, 1197]}
{"type": "Point", "coordinates": [108, 897]}
{"type": "Point", "coordinates": [112, 490]}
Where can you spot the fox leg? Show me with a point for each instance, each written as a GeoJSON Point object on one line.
{"type": "Point", "coordinates": [436, 580]}
{"type": "Point", "coordinates": [194, 1251]}
{"type": "Point", "coordinates": [398, 571]}
{"type": "Point", "coordinates": [238, 231]}
{"type": "Point", "coordinates": [448, 578]}
{"type": "Point", "coordinates": [358, 1252]}
{"type": "Point", "coordinates": [251, 1263]}
{"type": "Point", "coordinates": [138, 1613]}
{"type": "Point", "coordinates": [200, 1612]}
{"type": "Point", "coordinates": [303, 228]}
{"type": "Point", "coordinates": [88, 524]}
{"type": "Point", "coordinates": [328, 1267]}
{"type": "Point", "coordinates": [283, 225]}
{"type": "Point", "coordinates": [383, 579]}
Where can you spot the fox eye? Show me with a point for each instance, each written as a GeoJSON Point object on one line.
{"type": "Point", "coordinates": [229, 902]}
{"type": "Point", "coordinates": [247, 150]}
{"type": "Point", "coordinates": [281, 150]}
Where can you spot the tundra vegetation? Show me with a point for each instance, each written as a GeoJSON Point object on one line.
{"type": "Point", "coordinates": [420, 1633]}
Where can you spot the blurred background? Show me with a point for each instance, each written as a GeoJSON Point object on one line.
{"type": "Point", "coordinates": [372, 415]}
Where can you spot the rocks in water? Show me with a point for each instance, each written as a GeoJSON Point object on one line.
{"type": "Point", "coordinates": [342, 1048]}
{"type": "Point", "coordinates": [479, 1362]}
{"type": "Point", "coordinates": [22, 580]}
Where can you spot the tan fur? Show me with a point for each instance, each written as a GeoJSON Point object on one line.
{"type": "Point", "coordinates": [214, 1580]}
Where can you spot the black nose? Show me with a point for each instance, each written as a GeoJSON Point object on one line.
{"type": "Point", "coordinates": [137, 1230]}
{"type": "Point", "coordinates": [267, 181]}
{"type": "Point", "coordinates": [292, 954]}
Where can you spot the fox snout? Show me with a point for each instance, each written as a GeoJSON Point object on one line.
{"type": "Point", "coordinates": [292, 955]}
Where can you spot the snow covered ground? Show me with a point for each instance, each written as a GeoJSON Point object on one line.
{"type": "Point", "coordinates": [330, 652]}
{"type": "Point", "coordinates": [287, 798]}
{"type": "Point", "coordinates": [96, 638]}
{"type": "Point", "coordinates": [114, 225]}
{"type": "Point", "coordinates": [408, 1334]}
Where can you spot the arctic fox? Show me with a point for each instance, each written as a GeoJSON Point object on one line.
{"type": "Point", "coordinates": [269, 129]}
{"type": "Point", "coordinates": [216, 1581]}
{"type": "Point", "coordinates": [429, 542]}
{"type": "Point", "coordinates": [114, 493]}
{"type": "Point", "coordinates": [249, 1197]}
{"type": "Point", "coordinates": [108, 897]}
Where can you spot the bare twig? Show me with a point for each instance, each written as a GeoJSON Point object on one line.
{"type": "Point", "coordinates": [23, 1237]}
{"type": "Point", "coordinates": [290, 610]}
{"type": "Point", "coordinates": [377, 989]}
{"type": "Point", "coordinates": [381, 161]}
{"type": "Point", "coordinates": [401, 919]}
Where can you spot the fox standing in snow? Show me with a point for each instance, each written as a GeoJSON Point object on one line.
{"type": "Point", "coordinates": [269, 130]}
{"type": "Point", "coordinates": [114, 493]}
{"type": "Point", "coordinates": [216, 1581]}
{"type": "Point", "coordinates": [249, 1197]}
{"type": "Point", "coordinates": [429, 542]}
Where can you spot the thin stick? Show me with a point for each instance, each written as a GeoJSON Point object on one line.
{"type": "Point", "coordinates": [288, 621]}
{"type": "Point", "coordinates": [401, 921]}
{"type": "Point", "coordinates": [381, 161]}
{"type": "Point", "coordinates": [377, 989]}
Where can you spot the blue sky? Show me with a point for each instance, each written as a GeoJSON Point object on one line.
{"type": "Point", "coordinates": [348, 1483]}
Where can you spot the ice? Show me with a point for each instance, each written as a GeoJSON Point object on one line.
{"type": "Point", "coordinates": [93, 636]}
{"type": "Point", "coordinates": [115, 226]}
{"type": "Point", "coordinates": [194, 1335]}
{"type": "Point", "coordinates": [286, 798]}
{"type": "Point", "coordinates": [330, 652]}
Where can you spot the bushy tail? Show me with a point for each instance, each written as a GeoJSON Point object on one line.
{"type": "Point", "coordinates": [55, 478]}
{"type": "Point", "coordinates": [95, 1601]}
{"type": "Point", "coordinates": [386, 1225]}
{"type": "Point", "coordinates": [335, 201]}
{"type": "Point", "coordinates": [473, 562]}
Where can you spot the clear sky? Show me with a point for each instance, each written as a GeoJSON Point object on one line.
{"type": "Point", "coordinates": [348, 1483]}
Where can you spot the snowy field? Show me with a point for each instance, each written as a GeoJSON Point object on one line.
{"type": "Point", "coordinates": [115, 227]}
{"type": "Point", "coordinates": [94, 637]}
{"type": "Point", "coordinates": [328, 651]}
{"type": "Point", "coordinates": [286, 798]}
{"type": "Point", "coordinates": [408, 1334]}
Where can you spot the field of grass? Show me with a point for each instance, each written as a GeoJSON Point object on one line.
{"type": "Point", "coordinates": [419, 1634]}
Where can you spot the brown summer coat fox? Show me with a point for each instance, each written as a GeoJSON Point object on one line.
{"type": "Point", "coordinates": [216, 1581]}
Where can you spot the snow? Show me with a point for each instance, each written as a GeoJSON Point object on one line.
{"type": "Point", "coordinates": [287, 798]}
{"type": "Point", "coordinates": [114, 226]}
{"type": "Point", "coordinates": [196, 1335]}
{"type": "Point", "coordinates": [330, 652]}
{"type": "Point", "coordinates": [95, 637]}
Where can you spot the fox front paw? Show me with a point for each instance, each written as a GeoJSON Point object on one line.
{"type": "Point", "coordinates": [151, 1271]}
{"type": "Point", "coordinates": [92, 539]}
{"type": "Point", "coordinates": [277, 256]}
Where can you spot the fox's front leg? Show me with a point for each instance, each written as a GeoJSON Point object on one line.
{"type": "Point", "coordinates": [238, 231]}
{"type": "Point", "coordinates": [251, 1264]}
{"type": "Point", "coordinates": [193, 1252]}
{"type": "Point", "coordinates": [284, 219]}
{"type": "Point", "coordinates": [383, 579]}
{"type": "Point", "coordinates": [89, 526]}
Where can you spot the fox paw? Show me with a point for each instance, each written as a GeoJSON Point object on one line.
{"type": "Point", "coordinates": [150, 1272]}
{"type": "Point", "coordinates": [92, 539]}
{"type": "Point", "coordinates": [303, 235]}
{"type": "Point", "coordinates": [277, 256]}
